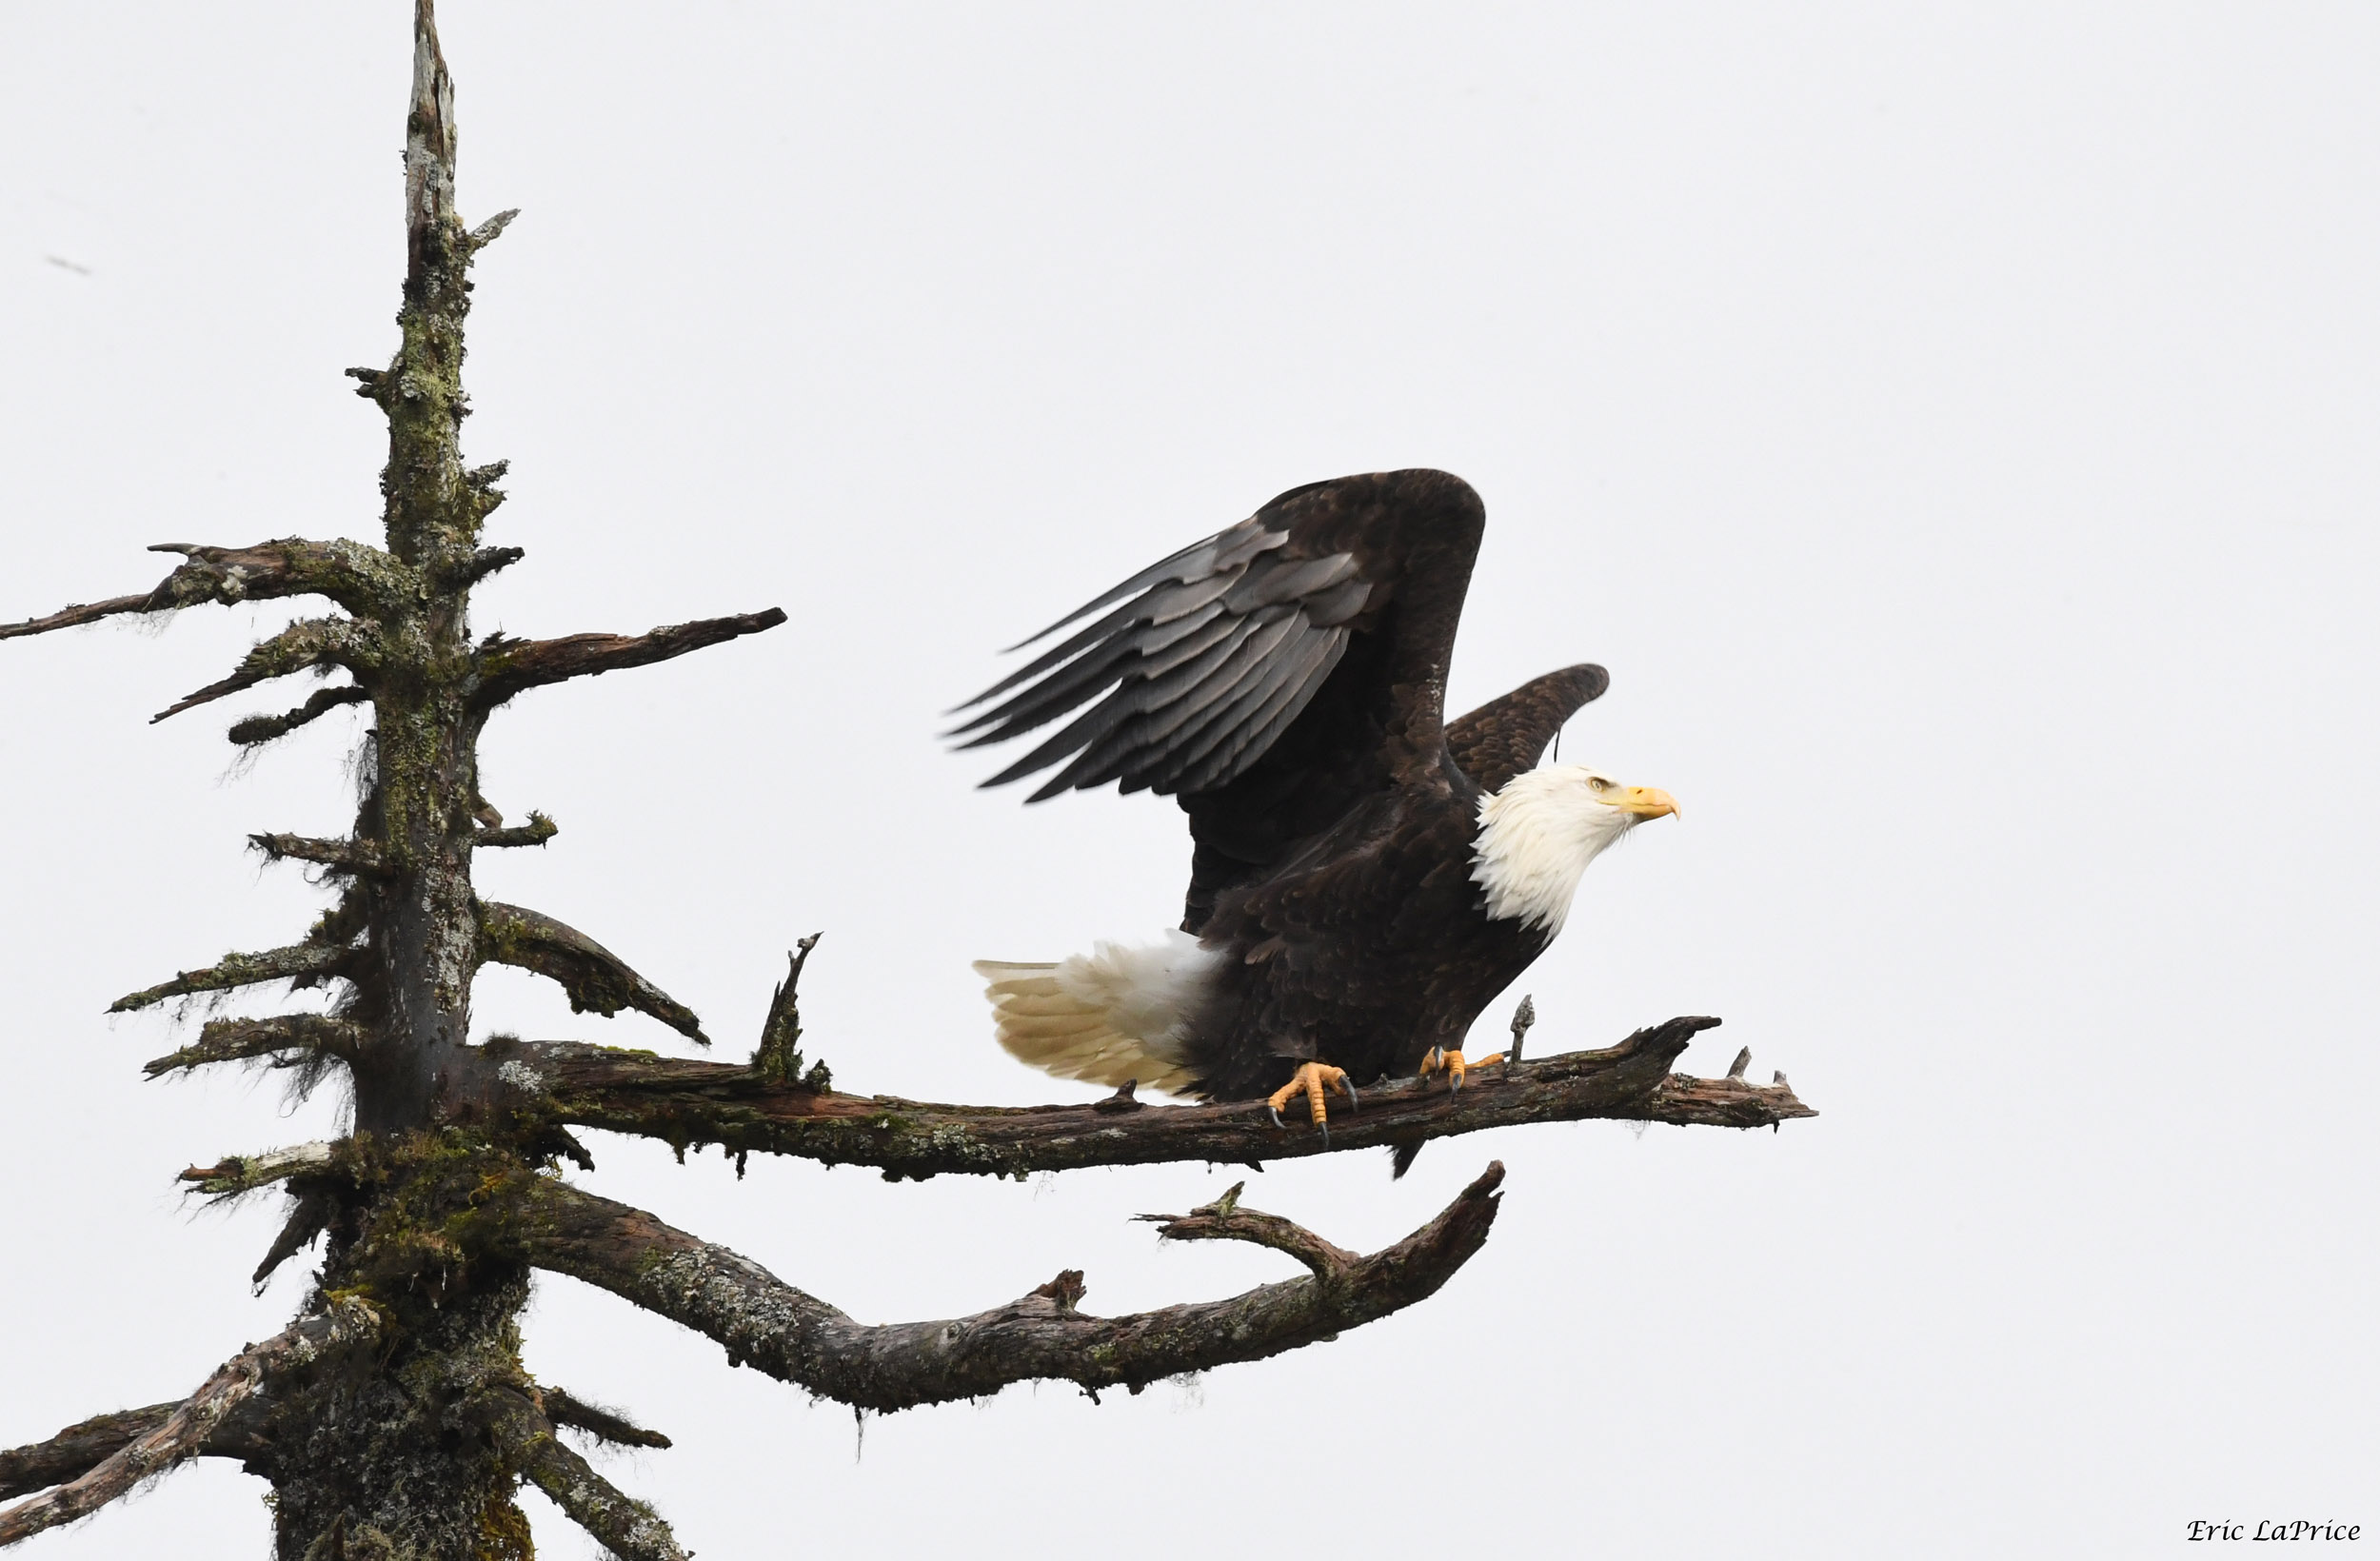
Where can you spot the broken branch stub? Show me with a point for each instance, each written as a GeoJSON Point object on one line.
{"type": "Point", "coordinates": [594, 979]}
{"type": "Point", "coordinates": [509, 666]}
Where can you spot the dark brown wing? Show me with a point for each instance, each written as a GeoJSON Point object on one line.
{"type": "Point", "coordinates": [1505, 736]}
{"type": "Point", "coordinates": [1309, 643]}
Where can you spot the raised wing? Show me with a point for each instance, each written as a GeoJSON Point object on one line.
{"type": "Point", "coordinates": [1269, 676]}
{"type": "Point", "coordinates": [1505, 736]}
{"type": "Point", "coordinates": [1212, 655]}
{"type": "Point", "coordinates": [1215, 651]}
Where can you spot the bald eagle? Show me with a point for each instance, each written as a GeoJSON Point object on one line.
{"type": "Point", "coordinates": [1364, 878]}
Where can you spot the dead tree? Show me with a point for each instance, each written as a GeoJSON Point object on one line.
{"type": "Point", "coordinates": [393, 1417]}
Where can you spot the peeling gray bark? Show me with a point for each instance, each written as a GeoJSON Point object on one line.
{"type": "Point", "coordinates": [768, 1324]}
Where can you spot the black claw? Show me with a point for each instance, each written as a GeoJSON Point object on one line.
{"type": "Point", "coordinates": [1349, 1085]}
{"type": "Point", "coordinates": [1273, 1112]}
{"type": "Point", "coordinates": [1326, 1125]}
{"type": "Point", "coordinates": [1453, 1082]}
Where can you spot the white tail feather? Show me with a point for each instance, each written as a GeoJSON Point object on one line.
{"type": "Point", "coordinates": [1105, 1017]}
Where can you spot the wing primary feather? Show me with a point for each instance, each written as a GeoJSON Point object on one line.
{"type": "Point", "coordinates": [1180, 696]}
{"type": "Point", "coordinates": [1076, 732]}
{"type": "Point", "coordinates": [1158, 607]}
{"type": "Point", "coordinates": [1045, 702]}
{"type": "Point", "coordinates": [1184, 565]}
{"type": "Point", "coordinates": [1051, 657]}
{"type": "Point", "coordinates": [1129, 726]}
{"type": "Point", "coordinates": [1123, 703]}
{"type": "Point", "coordinates": [1190, 758]}
{"type": "Point", "coordinates": [1164, 657]}
{"type": "Point", "coordinates": [1167, 602]}
{"type": "Point", "coordinates": [1257, 731]}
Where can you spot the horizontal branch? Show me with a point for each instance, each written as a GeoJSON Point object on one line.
{"type": "Point", "coordinates": [626, 1528]}
{"type": "Point", "coordinates": [77, 1450]}
{"type": "Point", "coordinates": [188, 1426]}
{"type": "Point", "coordinates": [796, 1337]}
{"type": "Point", "coordinates": [246, 1173]}
{"type": "Point", "coordinates": [234, 1040]}
{"type": "Point", "coordinates": [349, 855]}
{"type": "Point", "coordinates": [596, 980]}
{"type": "Point", "coordinates": [690, 1103]}
{"type": "Point", "coordinates": [295, 962]}
{"type": "Point", "coordinates": [255, 729]}
{"type": "Point", "coordinates": [536, 832]}
{"type": "Point", "coordinates": [509, 666]}
{"type": "Point", "coordinates": [310, 642]}
{"type": "Point", "coordinates": [362, 579]}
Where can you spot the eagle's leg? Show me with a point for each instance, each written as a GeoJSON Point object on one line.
{"type": "Point", "coordinates": [1453, 1064]}
{"type": "Point", "coordinates": [1313, 1078]}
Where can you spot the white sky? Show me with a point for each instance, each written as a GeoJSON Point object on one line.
{"type": "Point", "coordinates": [1952, 425]}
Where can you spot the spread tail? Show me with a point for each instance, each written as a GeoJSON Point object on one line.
{"type": "Point", "coordinates": [1113, 1015]}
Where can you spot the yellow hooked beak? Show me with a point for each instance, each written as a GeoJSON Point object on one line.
{"type": "Point", "coordinates": [1646, 801]}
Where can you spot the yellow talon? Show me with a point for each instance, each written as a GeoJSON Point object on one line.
{"type": "Point", "coordinates": [1312, 1078]}
{"type": "Point", "coordinates": [1454, 1064]}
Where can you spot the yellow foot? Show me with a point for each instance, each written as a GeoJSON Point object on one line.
{"type": "Point", "coordinates": [1312, 1078]}
{"type": "Point", "coordinates": [1453, 1064]}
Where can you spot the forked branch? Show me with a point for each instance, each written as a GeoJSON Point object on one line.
{"type": "Point", "coordinates": [77, 1450]}
{"type": "Point", "coordinates": [310, 642]}
{"type": "Point", "coordinates": [798, 1339]}
{"type": "Point", "coordinates": [693, 1104]}
{"type": "Point", "coordinates": [625, 1526]}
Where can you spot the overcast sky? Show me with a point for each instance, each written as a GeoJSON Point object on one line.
{"type": "Point", "coordinates": [1954, 427]}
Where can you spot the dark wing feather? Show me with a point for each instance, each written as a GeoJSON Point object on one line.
{"type": "Point", "coordinates": [1270, 677]}
{"type": "Point", "coordinates": [1505, 736]}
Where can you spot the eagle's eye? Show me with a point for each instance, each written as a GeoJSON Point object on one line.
{"type": "Point", "coordinates": [1596, 783]}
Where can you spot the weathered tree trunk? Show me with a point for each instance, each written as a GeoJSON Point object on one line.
{"type": "Point", "coordinates": [393, 1417]}
{"type": "Point", "coordinates": [400, 1461]}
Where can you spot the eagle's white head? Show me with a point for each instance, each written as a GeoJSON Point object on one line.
{"type": "Point", "coordinates": [1538, 835]}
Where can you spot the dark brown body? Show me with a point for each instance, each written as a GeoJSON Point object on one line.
{"type": "Point", "coordinates": [1332, 809]}
{"type": "Point", "coordinates": [1363, 951]}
